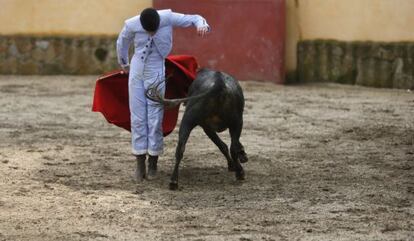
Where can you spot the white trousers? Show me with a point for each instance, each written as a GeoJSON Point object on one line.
{"type": "Point", "coordinates": [146, 115]}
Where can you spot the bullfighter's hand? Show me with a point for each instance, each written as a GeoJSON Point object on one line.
{"type": "Point", "coordinates": [125, 69]}
{"type": "Point", "coordinates": [202, 31]}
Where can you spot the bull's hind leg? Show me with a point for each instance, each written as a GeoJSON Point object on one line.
{"type": "Point", "coordinates": [184, 133]}
{"type": "Point", "coordinates": [237, 150]}
{"type": "Point", "coordinates": [221, 145]}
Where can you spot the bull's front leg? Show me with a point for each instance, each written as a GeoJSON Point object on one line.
{"type": "Point", "coordinates": [185, 130]}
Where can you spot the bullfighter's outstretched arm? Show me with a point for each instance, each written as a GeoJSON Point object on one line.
{"type": "Point", "coordinates": [187, 20]}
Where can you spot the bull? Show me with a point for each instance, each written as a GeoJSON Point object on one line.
{"type": "Point", "coordinates": [215, 102]}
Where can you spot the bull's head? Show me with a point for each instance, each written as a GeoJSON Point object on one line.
{"type": "Point", "coordinates": [153, 93]}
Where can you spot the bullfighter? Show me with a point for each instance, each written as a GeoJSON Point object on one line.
{"type": "Point", "coordinates": [151, 32]}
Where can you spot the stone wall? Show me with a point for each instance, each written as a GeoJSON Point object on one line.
{"type": "Point", "coordinates": [57, 55]}
{"type": "Point", "coordinates": [388, 65]}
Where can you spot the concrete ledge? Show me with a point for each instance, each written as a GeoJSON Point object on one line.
{"type": "Point", "coordinates": [376, 64]}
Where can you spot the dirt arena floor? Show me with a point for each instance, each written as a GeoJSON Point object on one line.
{"type": "Point", "coordinates": [327, 162]}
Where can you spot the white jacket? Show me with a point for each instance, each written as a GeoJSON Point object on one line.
{"type": "Point", "coordinates": [133, 30]}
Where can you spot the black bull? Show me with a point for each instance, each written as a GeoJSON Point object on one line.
{"type": "Point", "coordinates": [215, 102]}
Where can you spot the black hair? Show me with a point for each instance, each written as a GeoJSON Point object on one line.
{"type": "Point", "coordinates": [150, 19]}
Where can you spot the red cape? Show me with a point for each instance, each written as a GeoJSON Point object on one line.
{"type": "Point", "coordinates": [111, 92]}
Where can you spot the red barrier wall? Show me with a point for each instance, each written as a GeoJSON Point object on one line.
{"type": "Point", "coordinates": [247, 38]}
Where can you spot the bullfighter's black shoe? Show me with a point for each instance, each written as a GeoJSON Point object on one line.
{"type": "Point", "coordinates": [152, 167]}
{"type": "Point", "coordinates": [140, 170]}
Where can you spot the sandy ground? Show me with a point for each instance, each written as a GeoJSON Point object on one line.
{"type": "Point", "coordinates": [327, 162]}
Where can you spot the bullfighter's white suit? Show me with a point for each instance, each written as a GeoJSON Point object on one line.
{"type": "Point", "coordinates": [146, 68]}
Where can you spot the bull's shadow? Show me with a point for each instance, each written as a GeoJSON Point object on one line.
{"type": "Point", "coordinates": [204, 178]}
{"type": "Point", "coordinates": [97, 172]}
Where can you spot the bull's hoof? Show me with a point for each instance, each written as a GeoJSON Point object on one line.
{"type": "Point", "coordinates": [231, 168]}
{"type": "Point", "coordinates": [240, 176]}
{"type": "Point", "coordinates": [173, 186]}
{"type": "Point", "coordinates": [243, 158]}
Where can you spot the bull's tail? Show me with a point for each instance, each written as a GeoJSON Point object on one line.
{"type": "Point", "coordinates": [153, 94]}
